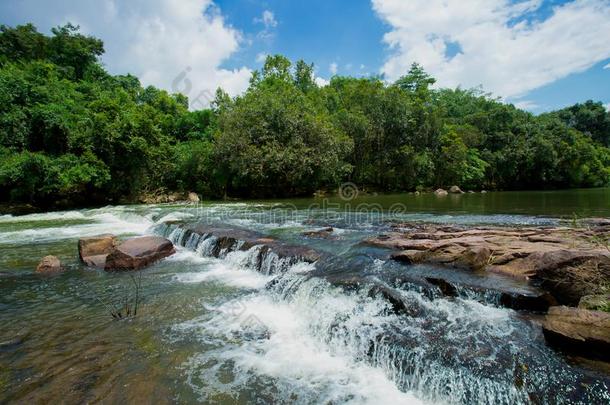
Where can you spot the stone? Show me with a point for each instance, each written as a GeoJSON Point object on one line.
{"type": "Point", "coordinates": [49, 264]}
{"type": "Point", "coordinates": [579, 331]}
{"type": "Point", "coordinates": [568, 263]}
{"type": "Point", "coordinates": [192, 197]}
{"type": "Point", "coordinates": [228, 239]}
{"type": "Point", "coordinates": [599, 302]}
{"type": "Point", "coordinates": [93, 250]}
{"type": "Point", "coordinates": [441, 192]}
{"type": "Point", "coordinates": [137, 253]}
{"type": "Point", "coordinates": [324, 233]}
{"type": "Point", "coordinates": [455, 190]}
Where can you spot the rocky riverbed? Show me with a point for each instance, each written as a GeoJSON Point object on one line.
{"type": "Point", "coordinates": [309, 309]}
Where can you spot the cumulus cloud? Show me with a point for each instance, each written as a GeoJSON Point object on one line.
{"type": "Point", "coordinates": [499, 44]}
{"type": "Point", "coordinates": [178, 46]}
{"type": "Point", "coordinates": [607, 66]}
{"type": "Point", "coordinates": [333, 68]}
{"type": "Point", "coordinates": [320, 81]}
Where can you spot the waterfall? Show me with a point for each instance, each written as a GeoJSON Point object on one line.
{"type": "Point", "coordinates": [258, 257]}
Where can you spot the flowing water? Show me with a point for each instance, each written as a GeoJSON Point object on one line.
{"type": "Point", "coordinates": [247, 325]}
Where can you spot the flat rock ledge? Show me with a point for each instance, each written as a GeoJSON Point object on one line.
{"type": "Point", "coordinates": [569, 263]}
{"type": "Point", "coordinates": [136, 253]}
{"type": "Point", "coordinates": [579, 330]}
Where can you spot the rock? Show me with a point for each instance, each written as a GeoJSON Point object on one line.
{"type": "Point", "coordinates": [49, 264]}
{"type": "Point", "coordinates": [455, 190]}
{"type": "Point", "coordinates": [569, 263]}
{"type": "Point", "coordinates": [483, 192]}
{"type": "Point", "coordinates": [273, 255]}
{"type": "Point", "coordinates": [441, 192]}
{"type": "Point", "coordinates": [136, 253]}
{"type": "Point", "coordinates": [595, 302]}
{"type": "Point", "coordinates": [417, 193]}
{"type": "Point", "coordinates": [192, 197]}
{"type": "Point", "coordinates": [93, 250]}
{"type": "Point", "coordinates": [579, 331]}
{"type": "Point", "coordinates": [325, 233]}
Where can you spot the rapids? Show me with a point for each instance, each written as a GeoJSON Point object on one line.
{"type": "Point", "coordinates": [239, 324]}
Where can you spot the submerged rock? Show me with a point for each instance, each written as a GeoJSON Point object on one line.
{"type": "Point", "coordinates": [569, 263]}
{"type": "Point", "coordinates": [136, 253]}
{"type": "Point", "coordinates": [441, 192]}
{"type": "Point", "coordinates": [324, 233]}
{"type": "Point", "coordinates": [49, 264]}
{"type": "Point", "coordinates": [93, 250]}
{"type": "Point", "coordinates": [455, 190]}
{"type": "Point", "coordinates": [579, 331]}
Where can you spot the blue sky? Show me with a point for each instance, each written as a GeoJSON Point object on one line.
{"type": "Point", "coordinates": [538, 54]}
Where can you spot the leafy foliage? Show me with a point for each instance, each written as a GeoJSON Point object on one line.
{"type": "Point", "coordinates": [71, 133]}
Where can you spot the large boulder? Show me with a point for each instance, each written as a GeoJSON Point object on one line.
{"type": "Point", "coordinates": [136, 253]}
{"type": "Point", "coordinates": [441, 192]}
{"type": "Point", "coordinates": [93, 250]}
{"type": "Point", "coordinates": [455, 190]}
{"type": "Point", "coordinates": [49, 264]}
{"type": "Point", "coordinates": [192, 197]}
{"type": "Point", "coordinates": [579, 331]}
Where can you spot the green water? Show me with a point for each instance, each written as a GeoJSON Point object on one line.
{"type": "Point", "coordinates": [58, 343]}
{"type": "Point", "coordinates": [560, 203]}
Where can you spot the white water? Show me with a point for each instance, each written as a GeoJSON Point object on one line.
{"type": "Point", "coordinates": [304, 341]}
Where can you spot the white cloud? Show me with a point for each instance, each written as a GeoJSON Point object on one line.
{"type": "Point", "coordinates": [178, 46]}
{"type": "Point", "coordinates": [333, 68]}
{"type": "Point", "coordinates": [261, 57]}
{"type": "Point", "coordinates": [499, 48]}
{"type": "Point", "coordinates": [607, 66]}
{"type": "Point", "coordinates": [269, 22]}
{"type": "Point", "coordinates": [320, 81]}
{"type": "Point", "coordinates": [267, 19]}
{"type": "Point", "coordinates": [526, 105]}
{"type": "Point", "coordinates": [608, 107]}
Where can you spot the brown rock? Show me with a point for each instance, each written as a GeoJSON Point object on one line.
{"type": "Point", "coordinates": [49, 264]}
{"type": "Point", "coordinates": [192, 197]}
{"type": "Point", "coordinates": [93, 250]}
{"type": "Point", "coordinates": [321, 233]}
{"type": "Point", "coordinates": [579, 331]}
{"type": "Point", "coordinates": [569, 263]}
{"type": "Point", "coordinates": [441, 192]}
{"type": "Point", "coordinates": [136, 253]}
{"type": "Point", "coordinates": [455, 190]}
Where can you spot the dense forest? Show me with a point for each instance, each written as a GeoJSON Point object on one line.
{"type": "Point", "coordinates": [72, 133]}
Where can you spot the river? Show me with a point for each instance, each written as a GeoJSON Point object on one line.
{"type": "Point", "coordinates": [224, 330]}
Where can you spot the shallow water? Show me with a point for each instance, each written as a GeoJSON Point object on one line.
{"type": "Point", "coordinates": [216, 330]}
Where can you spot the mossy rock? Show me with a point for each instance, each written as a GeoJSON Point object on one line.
{"type": "Point", "coordinates": [595, 302]}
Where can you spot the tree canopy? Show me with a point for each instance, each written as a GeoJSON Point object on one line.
{"type": "Point", "coordinates": [74, 134]}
